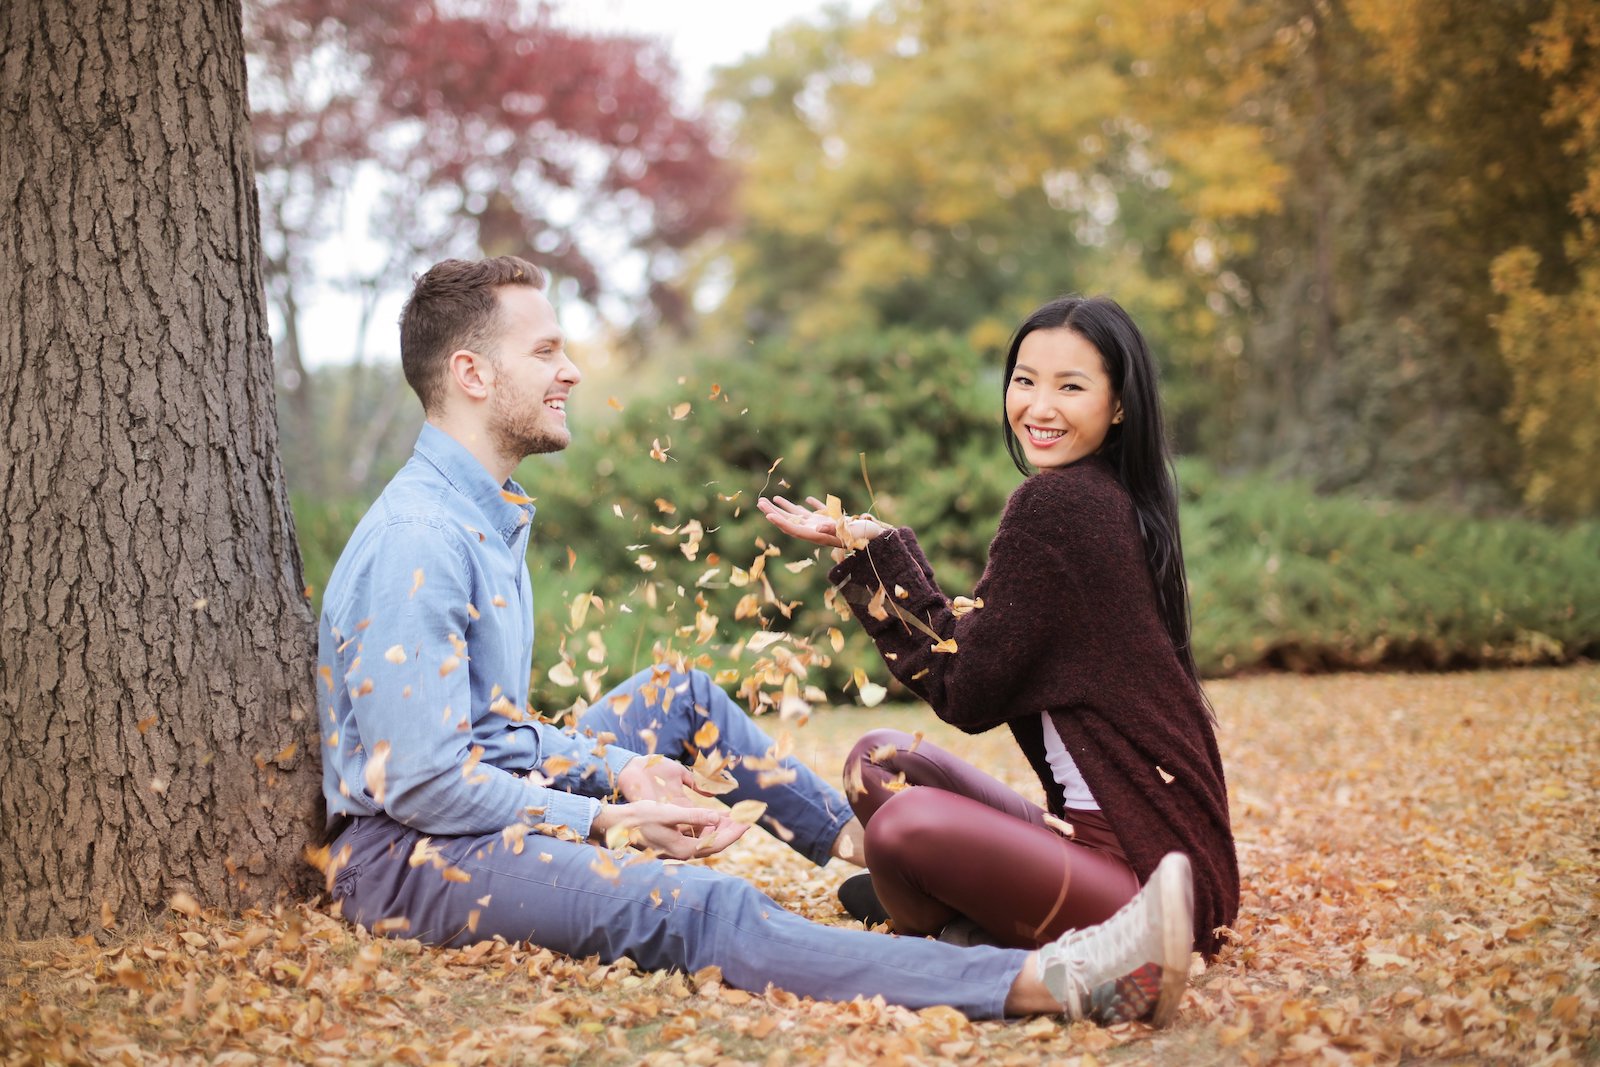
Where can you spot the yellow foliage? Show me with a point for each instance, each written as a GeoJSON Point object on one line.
{"type": "Point", "coordinates": [1565, 48]}
{"type": "Point", "coordinates": [1548, 343]}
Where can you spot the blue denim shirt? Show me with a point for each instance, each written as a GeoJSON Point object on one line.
{"type": "Point", "coordinates": [426, 642]}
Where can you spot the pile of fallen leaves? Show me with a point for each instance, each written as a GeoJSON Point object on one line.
{"type": "Point", "coordinates": [1419, 857]}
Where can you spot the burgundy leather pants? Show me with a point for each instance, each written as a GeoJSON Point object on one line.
{"type": "Point", "coordinates": [946, 840]}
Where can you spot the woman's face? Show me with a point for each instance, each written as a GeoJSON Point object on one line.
{"type": "Point", "coordinates": [1059, 401]}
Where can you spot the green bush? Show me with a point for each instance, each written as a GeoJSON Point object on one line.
{"type": "Point", "coordinates": [1280, 577]}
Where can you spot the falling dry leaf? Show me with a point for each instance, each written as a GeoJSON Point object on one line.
{"type": "Point", "coordinates": [395, 654]}
{"type": "Point", "coordinates": [376, 774]}
{"type": "Point", "coordinates": [515, 498]}
{"type": "Point", "coordinates": [416, 582]}
{"type": "Point", "coordinates": [947, 645]}
{"type": "Point", "coordinates": [748, 811]}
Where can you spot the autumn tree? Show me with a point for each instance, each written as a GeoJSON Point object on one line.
{"type": "Point", "coordinates": [485, 128]}
{"type": "Point", "coordinates": [1301, 200]}
{"type": "Point", "coordinates": [1547, 332]}
{"type": "Point", "coordinates": [156, 700]}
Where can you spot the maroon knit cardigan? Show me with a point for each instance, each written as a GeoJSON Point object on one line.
{"type": "Point", "coordinates": [1069, 625]}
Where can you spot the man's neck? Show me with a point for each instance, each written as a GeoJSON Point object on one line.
{"type": "Point", "coordinates": [475, 439]}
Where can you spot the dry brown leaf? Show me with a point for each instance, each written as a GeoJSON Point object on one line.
{"type": "Point", "coordinates": [376, 772]}
{"type": "Point", "coordinates": [748, 811]}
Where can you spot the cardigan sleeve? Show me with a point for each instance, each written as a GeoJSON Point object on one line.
{"type": "Point", "coordinates": [977, 671]}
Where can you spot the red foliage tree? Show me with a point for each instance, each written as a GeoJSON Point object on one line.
{"type": "Point", "coordinates": [484, 127]}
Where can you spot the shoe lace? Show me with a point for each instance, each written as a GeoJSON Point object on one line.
{"type": "Point", "coordinates": [1085, 954]}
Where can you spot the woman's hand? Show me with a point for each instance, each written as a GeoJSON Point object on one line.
{"type": "Point", "coordinates": [819, 524]}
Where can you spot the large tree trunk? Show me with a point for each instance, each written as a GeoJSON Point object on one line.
{"type": "Point", "coordinates": [157, 726]}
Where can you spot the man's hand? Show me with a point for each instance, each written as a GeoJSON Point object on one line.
{"type": "Point", "coordinates": [657, 778]}
{"type": "Point", "coordinates": [673, 830]}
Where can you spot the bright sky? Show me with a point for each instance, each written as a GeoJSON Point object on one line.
{"type": "Point", "coordinates": [701, 34]}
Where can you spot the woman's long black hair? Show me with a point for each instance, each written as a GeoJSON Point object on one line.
{"type": "Point", "coordinates": [1136, 447]}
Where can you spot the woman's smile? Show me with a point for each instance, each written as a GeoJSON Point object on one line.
{"type": "Point", "coordinates": [1059, 402]}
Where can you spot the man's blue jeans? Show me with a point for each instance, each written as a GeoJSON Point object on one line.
{"type": "Point", "coordinates": [582, 900]}
{"type": "Point", "coordinates": [805, 813]}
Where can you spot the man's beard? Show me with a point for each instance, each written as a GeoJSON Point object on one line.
{"type": "Point", "coordinates": [519, 429]}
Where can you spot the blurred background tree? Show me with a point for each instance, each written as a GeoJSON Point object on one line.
{"type": "Point", "coordinates": [1303, 199]}
{"type": "Point", "coordinates": [462, 129]}
{"type": "Point", "coordinates": [1361, 234]}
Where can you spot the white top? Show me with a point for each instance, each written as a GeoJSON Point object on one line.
{"type": "Point", "coordinates": [1065, 771]}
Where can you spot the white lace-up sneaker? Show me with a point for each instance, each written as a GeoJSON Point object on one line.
{"type": "Point", "coordinates": [1133, 966]}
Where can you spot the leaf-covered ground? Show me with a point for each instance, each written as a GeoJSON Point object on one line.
{"type": "Point", "coordinates": [1419, 855]}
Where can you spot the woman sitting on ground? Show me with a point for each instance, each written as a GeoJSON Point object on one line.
{"type": "Point", "coordinates": [1077, 639]}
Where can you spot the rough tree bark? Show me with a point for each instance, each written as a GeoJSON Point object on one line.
{"type": "Point", "coordinates": [157, 725]}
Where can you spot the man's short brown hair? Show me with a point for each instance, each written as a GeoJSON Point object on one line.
{"type": "Point", "coordinates": [454, 306]}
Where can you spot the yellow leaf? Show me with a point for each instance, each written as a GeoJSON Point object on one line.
{"type": "Point", "coordinates": [395, 654]}
{"type": "Point", "coordinates": [450, 664]}
{"type": "Point", "coordinates": [561, 674]}
{"type": "Point", "coordinates": [872, 694]}
{"type": "Point", "coordinates": [707, 735]}
{"type": "Point", "coordinates": [681, 411]}
{"type": "Point", "coordinates": [515, 498]}
{"type": "Point", "coordinates": [375, 773]}
{"type": "Point", "coordinates": [875, 606]}
{"type": "Point", "coordinates": [614, 403]}
{"type": "Point", "coordinates": [416, 582]}
{"type": "Point", "coordinates": [761, 640]}
{"type": "Point", "coordinates": [748, 811]}
{"type": "Point", "coordinates": [947, 645]}
{"type": "Point", "coordinates": [1165, 777]}
{"type": "Point", "coordinates": [1060, 826]}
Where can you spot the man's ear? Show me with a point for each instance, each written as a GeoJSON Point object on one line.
{"type": "Point", "coordinates": [470, 372]}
